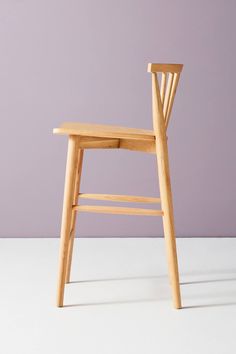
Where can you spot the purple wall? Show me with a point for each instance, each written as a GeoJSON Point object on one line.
{"type": "Point", "coordinates": [86, 60]}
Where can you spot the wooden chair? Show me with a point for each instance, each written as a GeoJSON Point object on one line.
{"type": "Point", "coordinates": [91, 136]}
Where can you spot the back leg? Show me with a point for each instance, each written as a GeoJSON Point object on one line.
{"type": "Point", "coordinates": [168, 218]}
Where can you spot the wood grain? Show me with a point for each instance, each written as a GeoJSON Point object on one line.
{"type": "Point", "coordinates": [117, 210]}
{"type": "Point", "coordinates": [105, 131]}
{"type": "Point", "coordinates": [165, 191]}
{"type": "Point", "coordinates": [120, 198]}
{"type": "Point", "coordinates": [70, 179]}
{"type": "Point", "coordinates": [97, 136]}
{"type": "Point", "coordinates": [74, 215]}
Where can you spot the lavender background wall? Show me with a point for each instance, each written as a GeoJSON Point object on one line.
{"type": "Point", "coordinates": [86, 60]}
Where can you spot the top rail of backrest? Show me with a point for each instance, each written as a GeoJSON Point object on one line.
{"type": "Point", "coordinates": [165, 68]}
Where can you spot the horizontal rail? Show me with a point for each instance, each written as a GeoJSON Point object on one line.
{"type": "Point", "coordinates": [120, 198]}
{"type": "Point", "coordinates": [98, 143]}
{"type": "Point", "coordinates": [138, 145]}
{"type": "Point", "coordinates": [117, 210]}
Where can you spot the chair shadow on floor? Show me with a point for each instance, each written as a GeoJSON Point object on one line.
{"type": "Point", "coordinates": [118, 279]}
{"type": "Point", "coordinates": [214, 276]}
{"type": "Point", "coordinates": [212, 279]}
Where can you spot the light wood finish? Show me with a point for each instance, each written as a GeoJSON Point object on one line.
{"type": "Point", "coordinates": [94, 136]}
{"type": "Point", "coordinates": [138, 145]}
{"type": "Point", "coordinates": [117, 210]}
{"type": "Point", "coordinates": [120, 198]}
{"type": "Point", "coordinates": [163, 87]}
{"type": "Point", "coordinates": [168, 86]}
{"type": "Point", "coordinates": [87, 142]}
{"type": "Point", "coordinates": [172, 96]}
{"type": "Point", "coordinates": [167, 94]}
{"type": "Point", "coordinates": [165, 191]}
{"type": "Point", "coordinates": [73, 221]}
{"type": "Point", "coordinates": [70, 180]}
{"type": "Point", "coordinates": [147, 146]}
{"type": "Point", "coordinates": [98, 143]}
{"type": "Point", "coordinates": [104, 131]}
{"type": "Point", "coordinates": [164, 68]}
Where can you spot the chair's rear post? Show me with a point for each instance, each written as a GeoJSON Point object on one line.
{"type": "Point", "coordinates": [159, 126]}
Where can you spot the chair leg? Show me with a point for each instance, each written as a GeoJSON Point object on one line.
{"type": "Point", "coordinates": [70, 178]}
{"type": "Point", "coordinates": [73, 221]}
{"type": "Point", "coordinates": [168, 218]}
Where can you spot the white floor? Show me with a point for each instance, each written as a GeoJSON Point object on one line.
{"type": "Point", "coordinates": [119, 299]}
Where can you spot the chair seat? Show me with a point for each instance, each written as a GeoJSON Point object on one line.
{"type": "Point", "coordinates": [104, 131]}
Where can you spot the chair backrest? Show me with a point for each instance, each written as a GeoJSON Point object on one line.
{"type": "Point", "coordinates": [165, 78]}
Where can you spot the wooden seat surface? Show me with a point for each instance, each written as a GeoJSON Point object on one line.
{"type": "Point", "coordinates": [105, 131]}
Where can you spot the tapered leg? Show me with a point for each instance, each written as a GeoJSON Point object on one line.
{"type": "Point", "coordinates": [168, 217]}
{"type": "Point", "coordinates": [70, 178]}
{"type": "Point", "coordinates": [74, 214]}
